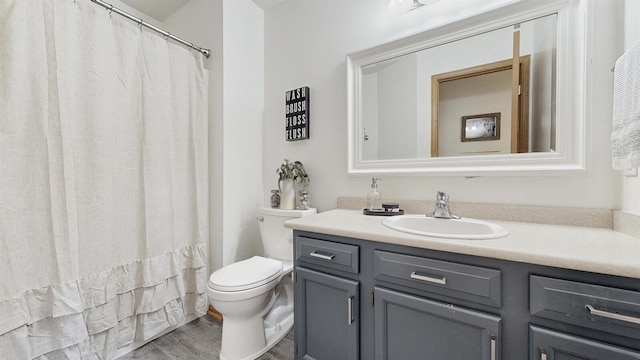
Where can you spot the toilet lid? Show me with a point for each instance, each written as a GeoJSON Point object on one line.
{"type": "Point", "coordinates": [245, 274]}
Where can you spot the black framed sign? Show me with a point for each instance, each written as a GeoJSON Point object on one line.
{"type": "Point", "coordinates": [297, 114]}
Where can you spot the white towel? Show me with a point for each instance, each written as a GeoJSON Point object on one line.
{"type": "Point", "coordinates": [625, 136]}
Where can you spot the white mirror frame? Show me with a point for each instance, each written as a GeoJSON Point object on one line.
{"type": "Point", "coordinates": [571, 97]}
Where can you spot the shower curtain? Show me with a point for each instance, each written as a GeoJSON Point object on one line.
{"type": "Point", "coordinates": [103, 181]}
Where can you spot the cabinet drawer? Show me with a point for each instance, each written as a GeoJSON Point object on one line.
{"type": "Point", "coordinates": [328, 254]}
{"type": "Point", "coordinates": [467, 282]}
{"type": "Point", "coordinates": [607, 309]}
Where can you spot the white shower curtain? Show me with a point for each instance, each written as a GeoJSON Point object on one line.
{"type": "Point", "coordinates": [103, 181]}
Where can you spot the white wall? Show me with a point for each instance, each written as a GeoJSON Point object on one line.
{"type": "Point", "coordinates": [397, 109]}
{"type": "Point", "coordinates": [370, 116]}
{"type": "Point", "coordinates": [305, 45]}
{"type": "Point", "coordinates": [243, 86]}
{"type": "Point", "coordinates": [631, 185]}
{"type": "Point", "coordinates": [541, 46]}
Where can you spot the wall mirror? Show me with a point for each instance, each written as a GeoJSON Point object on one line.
{"type": "Point", "coordinates": [498, 93]}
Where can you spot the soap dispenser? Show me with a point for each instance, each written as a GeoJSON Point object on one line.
{"type": "Point", "coordinates": [373, 198]}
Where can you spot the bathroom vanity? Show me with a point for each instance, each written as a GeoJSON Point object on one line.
{"type": "Point", "coordinates": [363, 291]}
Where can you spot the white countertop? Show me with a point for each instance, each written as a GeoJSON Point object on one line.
{"type": "Point", "coordinates": [579, 248]}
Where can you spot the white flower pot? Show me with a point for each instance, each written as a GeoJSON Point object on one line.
{"type": "Point", "coordinates": [287, 194]}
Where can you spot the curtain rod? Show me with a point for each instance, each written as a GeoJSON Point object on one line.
{"type": "Point", "coordinates": [166, 34]}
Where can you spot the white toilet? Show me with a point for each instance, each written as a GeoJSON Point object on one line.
{"type": "Point", "coordinates": [255, 296]}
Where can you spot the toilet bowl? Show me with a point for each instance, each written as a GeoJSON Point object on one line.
{"type": "Point", "coordinates": [244, 293]}
{"type": "Point", "coordinates": [255, 296]}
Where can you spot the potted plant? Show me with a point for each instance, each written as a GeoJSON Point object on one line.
{"type": "Point", "coordinates": [290, 173]}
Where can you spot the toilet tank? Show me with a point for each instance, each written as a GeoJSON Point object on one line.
{"type": "Point", "coordinates": [277, 240]}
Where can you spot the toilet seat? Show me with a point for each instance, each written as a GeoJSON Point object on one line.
{"type": "Point", "coordinates": [246, 274]}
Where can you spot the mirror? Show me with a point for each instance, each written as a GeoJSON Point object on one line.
{"type": "Point", "coordinates": [492, 94]}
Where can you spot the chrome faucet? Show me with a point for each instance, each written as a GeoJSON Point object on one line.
{"type": "Point", "coordinates": [442, 207]}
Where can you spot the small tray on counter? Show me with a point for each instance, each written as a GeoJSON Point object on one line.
{"type": "Point", "coordinates": [382, 212]}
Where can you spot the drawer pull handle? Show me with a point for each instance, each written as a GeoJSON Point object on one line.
{"type": "Point", "coordinates": [610, 315]}
{"type": "Point", "coordinates": [318, 255]}
{"type": "Point", "coordinates": [441, 281]}
{"type": "Point", "coordinates": [350, 310]}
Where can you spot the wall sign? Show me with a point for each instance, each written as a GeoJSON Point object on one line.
{"type": "Point", "coordinates": [297, 114]}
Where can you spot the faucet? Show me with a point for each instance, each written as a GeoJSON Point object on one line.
{"type": "Point", "coordinates": [442, 207]}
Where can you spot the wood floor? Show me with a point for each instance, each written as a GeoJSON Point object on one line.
{"type": "Point", "coordinates": [200, 340]}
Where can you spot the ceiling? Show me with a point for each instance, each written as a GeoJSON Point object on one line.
{"type": "Point", "coordinates": [157, 9]}
{"type": "Point", "coordinates": [267, 4]}
{"type": "Point", "coordinates": [161, 9]}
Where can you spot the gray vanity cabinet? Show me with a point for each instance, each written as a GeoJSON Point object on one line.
{"type": "Point", "coordinates": [412, 327]}
{"type": "Point", "coordinates": [327, 334]}
{"type": "Point", "coordinates": [361, 299]}
{"type": "Point", "coordinates": [326, 306]}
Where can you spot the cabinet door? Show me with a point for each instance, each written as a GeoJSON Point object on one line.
{"type": "Point", "coordinates": [411, 327]}
{"type": "Point", "coordinates": [551, 345]}
{"type": "Point", "coordinates": [326, 316]}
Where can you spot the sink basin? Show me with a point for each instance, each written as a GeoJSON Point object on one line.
{"type": "Point", "coordinates": [470, 229]}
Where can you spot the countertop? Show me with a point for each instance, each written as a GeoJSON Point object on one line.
{"type": "Point", "coordinates": [571, 247]}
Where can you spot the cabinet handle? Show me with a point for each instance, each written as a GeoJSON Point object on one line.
{"type": "Point", "coordinates": [321, 256]}
{"type": "Point", "coordinates": [493, 347]}
{"type": "Point", "coordinates": [441, 281]}
{"type": "Point", "coordinates": [543, 355]}
{"type": "Point", "coordinates": [350, 310]}
{"type": "Point", "coordinates": [610, 315]}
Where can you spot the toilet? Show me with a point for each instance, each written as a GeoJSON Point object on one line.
{"type": "Point", "coordinates": [255, 296]}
